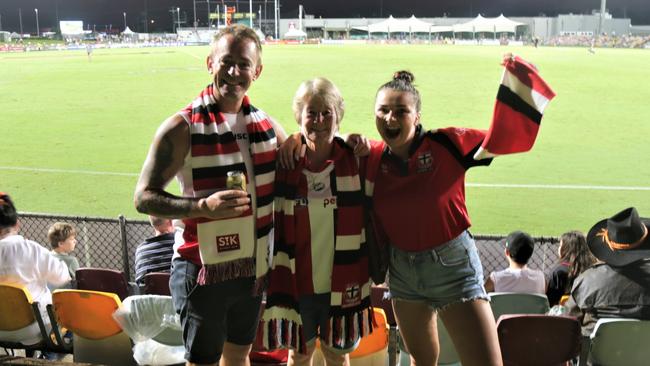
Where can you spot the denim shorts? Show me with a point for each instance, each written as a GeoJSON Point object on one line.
{"type": "Point", "coordinates": [315, 315]}
{"type": "Point", "coordinates": [447, 274]}
{"type": "Point", "coordinates": [213, 314]}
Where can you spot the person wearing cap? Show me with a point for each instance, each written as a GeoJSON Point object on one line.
{"type": "Point", "coordinates": [27, 263]}
{"type": "Point", "coordinates": [517, 277]}
{"type": "Point", "coordinates": [618, 286]}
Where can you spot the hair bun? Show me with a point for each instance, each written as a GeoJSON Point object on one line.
{"type": "Point", "coordinates": [404, 75]}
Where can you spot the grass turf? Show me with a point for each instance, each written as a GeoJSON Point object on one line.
{"type": "Point", "coordinates": [62, 112]}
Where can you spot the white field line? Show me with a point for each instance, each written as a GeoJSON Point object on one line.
{"type": "Point", "coordinates": [559, 186]}
{"type": "Point", "coordinates": [191, 54]}
{"type": "Point", "coordinates": [479, 185]}
{"type": "Point", "coordinates": [67, 171]}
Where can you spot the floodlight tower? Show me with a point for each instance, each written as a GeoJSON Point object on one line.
{"type": "Point", "coordinates": [603, 4]}
{"type": "Point", "coordinates": [250, 12]}
{"type": "Point", "coordinates": [277, 12]}
{"type": "Point", "coordinates": [20, 20]}
{"type": "Point", "coordinates": [37, 28]}
{"type": "Point", "coordinates": [124, 13]}
{"type": "Point", "coordinates": [194, 8]}
{"type": "Point", "coordinates": [178, 18]}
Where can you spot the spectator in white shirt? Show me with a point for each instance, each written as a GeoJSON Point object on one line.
{"type": "Point", "coordinates": [517, 277]}
{"type": "Point", "coordinates": [26, 262]}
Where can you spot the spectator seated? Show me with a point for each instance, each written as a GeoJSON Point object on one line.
{"type": "Point", "coordinates": [22, 325]}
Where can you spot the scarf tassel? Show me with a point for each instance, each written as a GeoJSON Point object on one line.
{"type": "Point", "coordinates": [219, 272]}
{"type": "Point", "coordinates": [283, 333]}
{"type": "Point", "coordinates": [348, 328]}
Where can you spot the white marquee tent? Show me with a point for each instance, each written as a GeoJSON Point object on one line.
{"type": "Point", "coordinates": [294, 33]}
{"type": "Point", "coordinates": [410, 25]}
{"type": "Point", "coordinates": [500, 24]}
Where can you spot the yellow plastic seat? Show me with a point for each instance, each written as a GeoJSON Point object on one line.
{"type": "Point", "coordinates": [88, 314]}
{"type": "Point", "coordinates": [377, 340]}
{"type": "Point", "coordinates": [373, 348]}
{"type": "Point", "coordinates": [15, 307]}
{"type": "Point", "coordinates": [97, 337]}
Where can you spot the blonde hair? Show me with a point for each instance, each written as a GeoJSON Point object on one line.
{"type": "Point", "coordinates": [60, 231]}
{"type": "Point", "coordinates": [318, 88]}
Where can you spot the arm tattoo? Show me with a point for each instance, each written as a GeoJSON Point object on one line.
{"type": "Point", "coordinates": [151, 198]}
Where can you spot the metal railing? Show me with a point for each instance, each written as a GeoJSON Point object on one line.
{"type": "Point", "coordinates": [111, 243]}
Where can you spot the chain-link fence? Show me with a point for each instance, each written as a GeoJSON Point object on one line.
{"type": "Point", "coordinates": [111, 243]}
{"type": "Point", "coordinates": [101, 242]}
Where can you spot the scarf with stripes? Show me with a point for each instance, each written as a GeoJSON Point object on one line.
{"type": "Point", "coordinates": [350, 316]}
{"type": "Point", "coordinates": [522, 98]}
{"type": "Point", "coordinates": [214, 152]}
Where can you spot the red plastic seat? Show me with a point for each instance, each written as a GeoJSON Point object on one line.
{"type": "Point", "coordinates": [157, 283]}
{"type": "Point", "coordinates": [538, 340]}
{"type": "Point", "coordinates": [103, 280]}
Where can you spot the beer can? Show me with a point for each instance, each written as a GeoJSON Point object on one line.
{"type": "Point", "coordinates": [236, 180]}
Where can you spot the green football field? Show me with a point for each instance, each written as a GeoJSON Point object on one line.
{"type": "Point", "coordinates": [74, 133]}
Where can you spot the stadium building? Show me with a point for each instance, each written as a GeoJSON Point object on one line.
{"type": "Point", "coordinates": [442, 27]}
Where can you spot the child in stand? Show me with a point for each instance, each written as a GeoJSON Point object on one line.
{"type": "Point", "coordinates": [63, 239]}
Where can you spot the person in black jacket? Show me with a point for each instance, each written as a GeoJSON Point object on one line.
{"type": "Point", "coordinates": [574, 258]}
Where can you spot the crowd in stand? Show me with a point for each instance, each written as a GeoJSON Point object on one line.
{"type": "Point", "coordinates": [604, 41]}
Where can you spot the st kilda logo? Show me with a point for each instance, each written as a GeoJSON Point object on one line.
{"type": "Point", "coordinates": [226, 243]}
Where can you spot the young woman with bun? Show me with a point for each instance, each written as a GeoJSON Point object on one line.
{"type": "Point", "coordinates": [415, 181]}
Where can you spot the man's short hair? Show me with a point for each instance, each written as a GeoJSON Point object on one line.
{"type": "Point", "coordinates": [239, 32]}
{"type": "Point", "coordinates": [8, 214]}
{"type": "Point", "coordinates": [520, 245]}
{"type": "Point", "coordinates": [60, 231]}
{"type": "Point", "coordinates": [156, 221]}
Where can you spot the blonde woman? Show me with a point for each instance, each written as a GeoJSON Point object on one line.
{"type": "Point", "coordinates": [319, 285]}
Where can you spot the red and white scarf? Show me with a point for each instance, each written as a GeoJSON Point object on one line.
{"type": "Point", "coordinates": [521, 100]}
{"type": "Point", "coordinates": [350, 316]}
{"type": "Point", "coordinates": [214, 151]}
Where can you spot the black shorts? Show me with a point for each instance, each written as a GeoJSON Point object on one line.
{"type": "Point", "coordinates": [213, 314]}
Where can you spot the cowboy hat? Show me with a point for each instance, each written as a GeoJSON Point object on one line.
{"type": "Point", "coordinates": [621, 239]}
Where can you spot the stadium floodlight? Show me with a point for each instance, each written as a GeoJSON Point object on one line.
{"type": "Point", "coordinates": [20, 20]}
{"type": "Point", "coordinates": [275, 14]}
{"type": "Point", "coordinates": [250, 12]}
{"type": "Point", "coordinates": [124, 13]}
{"type": "Point", "coordinates": [178, 18]}
{"type": "Point", "coordinates": [37, 29]}
{"type": "Point", "coordinates": [194, 7]}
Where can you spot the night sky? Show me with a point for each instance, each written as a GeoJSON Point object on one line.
{"type": "Point", "coordinates": [104, 14]}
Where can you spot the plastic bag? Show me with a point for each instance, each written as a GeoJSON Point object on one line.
{"type": "Point", "coordinates": [151, 352]}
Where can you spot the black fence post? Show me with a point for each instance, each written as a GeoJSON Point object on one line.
{"type": "Point", "coordinates": [125, 248]}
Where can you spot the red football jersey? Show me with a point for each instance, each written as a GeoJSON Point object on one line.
{"type": "Point", "coordinates": [420, 202]}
